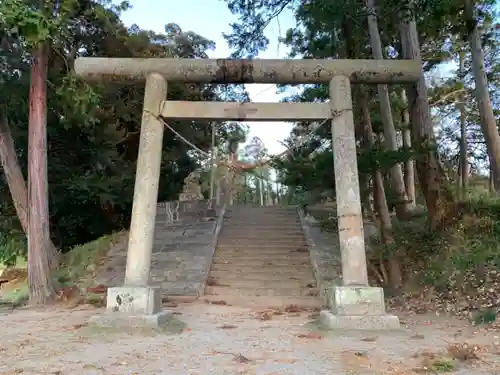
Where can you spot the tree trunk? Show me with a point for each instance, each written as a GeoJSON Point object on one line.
{"type": "Point", "coordinates": [398, 185]}
{"type": "Point", "coordinates": [15, 178]}
{"type": "Point", "coordinates": [488, 121]}
{"type": "Point", "coordinates": [491, 185]}
{"type": "Point", "coordinates": [13, 173]}
{"type": "Point", "coordinates": [380, 200]}
{"type": "Point", "coordinates": [436, 194]}
{"type": "Point", "coordinates": [41, 289]}
{"type": "Point", "coordinates": [409, 174]}
{"type": "Point", "coordinates": [464, 162]}
{"type": "Point", "coordinates": [366, 204]}
{"type": "Point", "coordinates": [261, 189]}
{"type": "Point", "coordinates": [277, 190]}
{"type": "Point", "coordinates": [213, 168]}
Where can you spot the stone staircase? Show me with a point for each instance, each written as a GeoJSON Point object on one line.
{"type": "Point", "coordinates": [262, 260]}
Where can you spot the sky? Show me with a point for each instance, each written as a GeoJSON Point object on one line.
{"type": "Point", "coordinates": [210, 18]}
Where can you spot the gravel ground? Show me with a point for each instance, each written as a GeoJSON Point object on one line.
{"type": "Point", "coordinates": [228, 340]}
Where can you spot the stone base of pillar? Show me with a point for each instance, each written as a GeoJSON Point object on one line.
{"type": "Point", "coordinates": [133, 306]}
{"type": "Point", "coordinates": [357, 307]}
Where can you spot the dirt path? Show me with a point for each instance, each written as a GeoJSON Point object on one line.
{"type": "Point", "coordinates": [227, 340]}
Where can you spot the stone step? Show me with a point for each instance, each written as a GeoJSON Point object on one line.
{"type": "Point", "coordinates": [224, 257]}
{"type": "Point", "coordinates": [276, 264]}
{"type": "Point", "coordinates": [266, 216]}
{"type": "Point", "coordinates": [262, 292]}
{"type": "Point", "coordinates": [263, 226]}
{"type": "Point", "coordinates": [268, 232]}
{"type": "Point", "coordinates": [252, 283]}
{"type": "Point", "coordinates": [261, 211]}
{"type": "Point", "coordinates": [278, 241]}
{"type": "Point", "coordinates": [267, 219]}
{"type": "Point", "coordinates": [256, 241]}
{"type": "Point", "coordinates": [261, 220]}
{"type": "Point", "coordinates": [264, 251]}
{"type": "Point", "coordinates": [269, 274]}
{"type": "Point", "coordinates": [259, 266]}
{"type": "Point", "coordinates": [255, 302]}
{"type": "Point", "coordinates": [272, 207]}
{"type": "Point", "coordinates": [282, 248]}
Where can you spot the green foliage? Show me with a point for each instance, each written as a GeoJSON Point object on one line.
{"type": "Point", "coordinates": [441, 365]}
{"type": "Point", "coordinates": [81, 261]}
{"type": "Point", "coordinates": [93, 128]}
{"type": "Point", "coordinates": [18, 18]}
{"type": "Point", "coordinates": [13, 244]}
{"type": "Point", "coordinates": [457, 260]}
{"type": "Point", "coordinates": [321, 31]}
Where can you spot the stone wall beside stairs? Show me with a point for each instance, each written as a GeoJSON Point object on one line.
{"type": "Point", "coordinates": [185, 240]}
{"type": "Point", "coordinates": [324, 251]}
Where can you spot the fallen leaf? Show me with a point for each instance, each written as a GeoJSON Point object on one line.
{"type": "Point", "coordinates": [463, 352]}
{"type": "Point", "coordinates": [417, 337]}
{"type": "Point", "coordinates": [361, 354]}
{"type": "Point", "coordinates": [265, 316]}
{"type": "Point", "coordinates": [94, 367]}
{"type": "Point", "coordinates": [285, 361]}
{"type": "Point", "coordinates": [221, 303]}
{"type": "Point", "coordinates": [312, 336]}
{"type": "Point", "coordinates": [99, 289]}
{"type": "Point", "coordinates": [293, 309]}
{"type": "Point", "coordinates": [227, 326]}
{"type": "Point", "coordinates": [78, 326]}
{"type": "Point", "coordinates": [241, 358]}
{"type": "Point", "coordinates": [13, 371]}
{"type": "Point", "coordinates": [369, 338]}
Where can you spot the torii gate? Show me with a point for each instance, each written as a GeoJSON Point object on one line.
{"type": "Point", "coordinates": [350, 304]}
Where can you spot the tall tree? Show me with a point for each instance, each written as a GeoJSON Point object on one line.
{"type": "Point", "coordinates": [488, 121]}
{"type": "Point", "coordinates": [429, 170]}
{"type": "Point", "coordinates": [402, 202]}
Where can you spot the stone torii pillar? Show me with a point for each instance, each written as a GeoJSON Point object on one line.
{"type": "Point", "coordinates": [352, 305]}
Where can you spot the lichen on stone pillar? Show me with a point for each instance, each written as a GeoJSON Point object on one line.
{"type": "Point", "coordinates": [350, 220]}
{"type": "Point", "coordinates": [147, 179]}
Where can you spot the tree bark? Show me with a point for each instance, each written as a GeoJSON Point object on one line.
{"type": "Point", "coordinates": [488, 121]}
{"type": "Point", "coordinates": [402, 202]}
{"type": "Point", "coordinates": [464, 162]}
{"type": "Point", "coordinates": [491, 178]}
{"type": "Point", "coordinates": [41, 289]}
{"type": "Point", "coordinates": [15, 178]}
{"type": "Point", "coordinates": [430, 176]}
{"type": "Point", "coordinates": [409, 174]}
{"type": "Point", "coordinates": [13, 173]}
{"type": "Point", "coordinates": [380, 200]}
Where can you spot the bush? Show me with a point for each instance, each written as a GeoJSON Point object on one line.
{"type": "Point", "coordinates": [13, 244]}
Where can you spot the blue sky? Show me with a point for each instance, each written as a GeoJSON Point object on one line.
{"type": "Point", "coordinates": [210, 18]}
